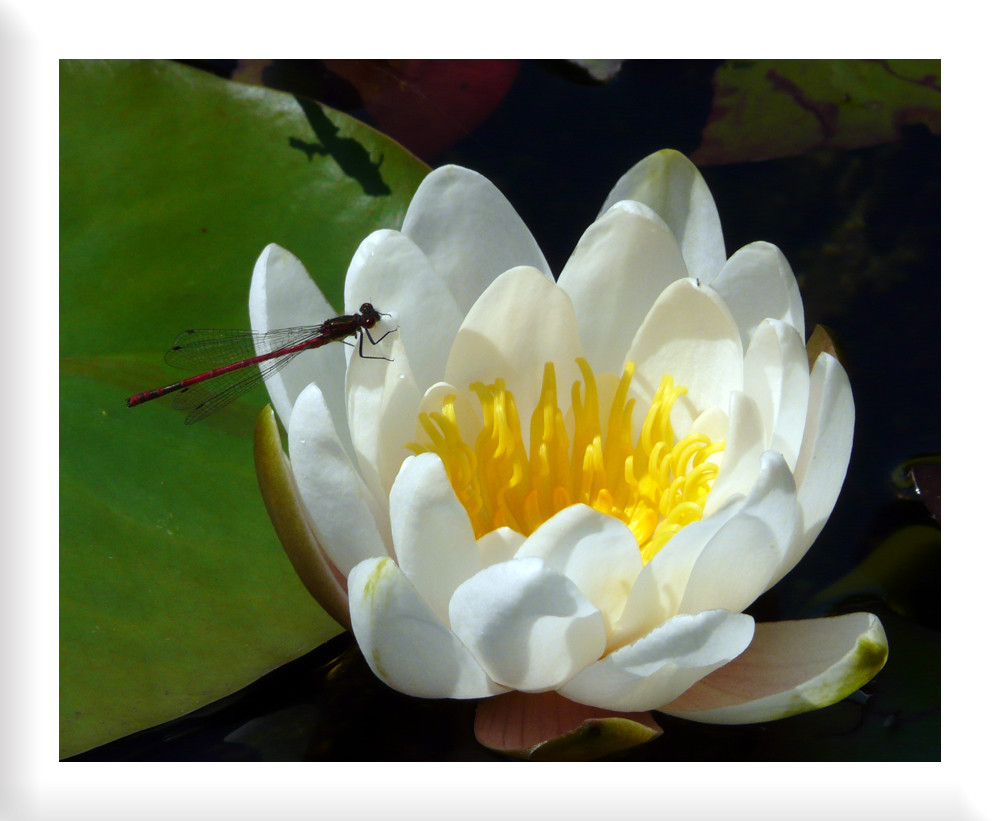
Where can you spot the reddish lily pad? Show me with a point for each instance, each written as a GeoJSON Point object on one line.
{"type": "Point", "coordinates": [427, 105]}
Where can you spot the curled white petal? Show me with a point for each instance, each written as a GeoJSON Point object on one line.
{"type": "Point", "coordinates": [339, 505]}
{"type": "Point", "coordinates": [435, 545]}
{"type": "Point", "coordinates": [404, 643]}
{"type": "Point", "coordinates": [529, 627]}
{"type": "Point", "coordinates": [499, 545]}
{"type": "Point", "coordinates": [662, 664]}
{"type": "Point", "coordinates": [693, 572]}
{"type": "Point", "coordinates": [596, 552]}
{"type": "Point", "coordinates": [737, 563]}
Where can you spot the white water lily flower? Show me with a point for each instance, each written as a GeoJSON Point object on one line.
{"type": "Point", "coordinates": [574, 486]}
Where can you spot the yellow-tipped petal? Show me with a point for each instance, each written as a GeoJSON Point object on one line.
{"type": "Point", "coordinates": [790, 667]}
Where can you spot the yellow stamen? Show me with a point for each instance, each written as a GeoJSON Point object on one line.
{"type": "Point", "coordinates": [656, 486]}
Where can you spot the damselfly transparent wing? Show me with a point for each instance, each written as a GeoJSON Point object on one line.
{"type": "Point", "coordinates": [208, 348]}
{"type": "Point", "coordinates": [207, 397]}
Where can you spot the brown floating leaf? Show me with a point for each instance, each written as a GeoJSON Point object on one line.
{"type": "Point", "coordinates": [820, 342]}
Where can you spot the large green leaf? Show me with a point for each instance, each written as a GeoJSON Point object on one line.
{"type": "Point", "coordinates": [174, 589]}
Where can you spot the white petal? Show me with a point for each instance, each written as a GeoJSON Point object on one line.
{"type": "Point", "coordinates": [598, 553]}
{"type": "Point", "coordinates": [757, 282]}
{"type": "Point", "coordinates": [741, 459]}
{"type": "Point", "coordinates": [689, 334]}
{"type": "Point", "coordinates": [522, 320]}
{"type": "Point", "coordinates": [826, 450]}
{"type": "Point", "coordinates": [390, 271]}
{"type": "Point", "coordinates": [662, 664]}
{"type": "Point", "coordinates": [528, 626]}
{"type": "Point", "coordinates": [622, 261]}
{"type": "Point", "coordinates": [663, 585]}
{"type": "Point", "coordinates": [338, 503]}
{"type": "Point", "coordinates": [499, 545]}
{"type": "Point", "coordinates": [739, 560]}
{"type": "Point", "coordinates": [789, 668]}
{"type": "Point", "coordinates": [282, 295]}
{"type": "Point", "coordinates": [402, 641]}
{"type": "Point", "coordinates": [382, 402]}
{"type": "Point", "coordinates": [659, 587]}
{"type": "Point", "coordinates": [670, 184]}
{"type": "Point", "coordinates": [776, 378]}
{"type": "Point", "coordinates": [713, 422]}
{"type": "Point", "coordinates": [434, 542]}
{"type": "Point", "coordinates": [469, 232]}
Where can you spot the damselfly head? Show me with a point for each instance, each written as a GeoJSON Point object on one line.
{"type": "Point", "coordinates": [368, 316]}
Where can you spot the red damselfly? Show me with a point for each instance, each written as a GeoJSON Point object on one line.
{"type": "Point", "coordinates": [238, 361]}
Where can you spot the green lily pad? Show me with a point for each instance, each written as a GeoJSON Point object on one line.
{"type": "Point", "coordinates": [174, 589]}
{"type": "Point", "coordinates": [764, 109]}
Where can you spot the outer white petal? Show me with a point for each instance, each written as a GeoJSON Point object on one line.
{"type": "Point", "coordinates": [598, 553]}
{"type": "Point", "coordinates": [623, 260]}
{"type": "Point", "coordinates": [282, 295]}
{"type": "Point", "coordinates": [339, 505]}
{"type": "Point", "coordinates": [689, 334]}
{"type": "Point", "coordinates": [738, 562]}
{"type": "Point", "coordinates": [528, 626]}
{"type": "Point", "coordinates": [390, 271]}
{"type": "Point", "coordinates": [826, 450]}
{"type": "Point", "coordinates": [469, 232]}
{"type": "Point", "coordinates": [776, 378]}
{"type": "Point", "coordinates": [757, 283]}
{"type": "Point", "coordinates": [520, 321]}
{"type": "Point", "coordinates": [789, 668]}
{"type": "Point", "coordinates": [662, 664]}
{"type": "Point", "coordinates": [382, 403]}
{"type": "Point", "coordinates": [670, 184]}
{"type": "Point", "coordinates": [403, 642]}
{"type": "Point", "coordinates": [434, 542]}
{"type": "Point", "coordinates": [741, 459]}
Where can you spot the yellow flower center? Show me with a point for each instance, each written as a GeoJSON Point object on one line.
{"type": "Point", "coordinates": [655, 486]}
